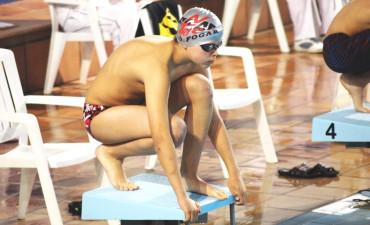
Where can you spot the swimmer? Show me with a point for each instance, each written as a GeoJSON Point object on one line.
{"type": "Point", "coordinates": [131, 108]}
{"type": "Point", "coordinates": [347, 49]}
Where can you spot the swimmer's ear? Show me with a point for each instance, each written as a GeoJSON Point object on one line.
{"type": "Point", "coordinates": [185, 47]}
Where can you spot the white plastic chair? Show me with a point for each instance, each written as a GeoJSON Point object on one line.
{"type": "Point", "coordinates": [59, 38]}
{"type": "Point", "coordinates": [229, 12]}
{"type": "Point", "coordinates": [339, 4]}
{"type": "Point", "coordinates": [231, 6]}
{"type": "Point", "coordinates": [226, 99]}
{"type": "Point", "coordinates": [36, 157]}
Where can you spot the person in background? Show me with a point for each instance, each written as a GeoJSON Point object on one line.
{"type": "Point", "coordinates": [120, 18]}
{"type": "Point", "coordinates": [307, 34]}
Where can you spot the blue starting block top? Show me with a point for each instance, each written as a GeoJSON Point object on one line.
{"type": "Point", "coordinates": [344, 125]}
{"type": "Point", "coordinates": [155, 200]}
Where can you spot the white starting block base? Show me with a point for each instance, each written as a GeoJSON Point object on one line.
{"type": "Point", "coordinates": [343, 125]}
{"type": "Point", "coordinates": [155, 200]}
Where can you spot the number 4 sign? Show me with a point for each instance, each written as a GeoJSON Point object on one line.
{"type": "Point", "coordinates": [331, 131]}
{"type": "Point", "coordinates": [344, 125]}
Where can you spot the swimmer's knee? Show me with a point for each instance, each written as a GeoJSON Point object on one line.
{"type": "Point", "coordinates": [199, 87]}
{"type": "Point", "coordinates": [178, 130]}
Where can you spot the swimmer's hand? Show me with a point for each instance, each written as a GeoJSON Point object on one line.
{"type": "Point", "coordinates": [237, 189]}
{"type": "Point", "coordinates": [190, 208]}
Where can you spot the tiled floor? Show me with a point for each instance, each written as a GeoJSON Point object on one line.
{"type": "Point", "coordinates": [295, 87]}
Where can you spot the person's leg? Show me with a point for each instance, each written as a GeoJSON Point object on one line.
{"type": "Point", "coordinates": [355, 83]}
{"type": "Point", "coordinates": [121, 20]}
{"type": "Point", "coordinates": [125, 132]}
{"type": "Point", "coordinates": [73, 19]}
{"type": "Point", "coordinates": [302, 18]}
{"type": "Point", "coordinates": [327, 13]}
{"type": "Point", "coordinates": [196, 93]}
{"type": "Point", "coordinates": [347, 54]}
{"type": "Point", "coordinates": [305, 31]}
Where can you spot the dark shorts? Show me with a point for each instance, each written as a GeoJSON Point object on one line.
{"type": "Point", "coordinates": [347, 54]}
{"type": "Point", "coordinates": [90, 111]}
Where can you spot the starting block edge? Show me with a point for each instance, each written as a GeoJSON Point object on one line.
{"type": "Point", "coordinates": [107, 203]}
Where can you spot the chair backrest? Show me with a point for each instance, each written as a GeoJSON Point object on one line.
{"type": "Point", "coordinates": [96, 34]}
{"type": "Point", "coordinates": [11, 97]}
{"type": "Point", "coordinates": [54, 13]}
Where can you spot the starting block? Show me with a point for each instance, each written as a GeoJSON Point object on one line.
{"type": "Point", "coordinates": [343, 125]}
{"type": "Point", "coordinates": [155, 200]}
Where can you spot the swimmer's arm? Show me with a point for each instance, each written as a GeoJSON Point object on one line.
{"type": "Point", "coordinates": [218, 135]}
{"type": "Point", "coordinates": [157, 87]}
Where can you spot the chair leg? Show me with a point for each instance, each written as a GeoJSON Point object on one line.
{"type": "Point", "coordinates": [27, 180]}
{"type": "Point", "coordinates": [339, 5]}
{"type": "Point", "coordinates": [278, 24]}
{"type": "Point", "coordinates": [255, 16]}
{"type": "Point", "coordinates": [57, 44]}
{"type": "Point", "coordinates": [229, 12]}
{"type": "Point", "coordinates": [97, 34]}
{"type": "Point", "coordinates": [264, 132]}
{"type": "Point", "coordinates": [101, 51]}
{"type": "Point", "coordinates": [49, 195]}
{"type": "Point", "coordinates": [86, 54]}
{"type": "Point", "coordinates": [152, 159]}
{"type": "Point", "coordinates": [150, 162]}
{"type": "Point", "coordinates": [114, 222]}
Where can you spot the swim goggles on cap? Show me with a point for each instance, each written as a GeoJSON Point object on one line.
{"type": "Point", "coordinates": [210, 47]}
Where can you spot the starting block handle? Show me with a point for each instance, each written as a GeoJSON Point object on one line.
{"type": "Point", "coordinates": [232, 214]}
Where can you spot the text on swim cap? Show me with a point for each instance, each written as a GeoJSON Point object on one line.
{"type": "Point", "coordinates": [194, 25]}
{"type": "Point", "coordinates": [193, 37]}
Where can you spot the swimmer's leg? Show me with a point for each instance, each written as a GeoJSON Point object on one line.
{"type": "Point", "coordinates": [111, 157]}
{"type": "Point", "coordinates": [355, 84]}
{"type": "Point", "coordinates": [196, 93]}
{"type": "Point", "coordinates": [367, 93]}
{"type": "Point", "coordinates": [125, 132]}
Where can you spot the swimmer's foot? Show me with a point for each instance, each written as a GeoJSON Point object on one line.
{"type": "Point", "coordinates": [355, 84]}
{"type": "Point", "coordinates": [114, 170]}
{"type": "Point", "coordinates": [197, 185]}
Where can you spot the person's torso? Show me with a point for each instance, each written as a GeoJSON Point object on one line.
{"type": "Point", "coordinates": [121, 81]}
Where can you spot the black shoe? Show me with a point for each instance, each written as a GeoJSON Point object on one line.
{"type": "Point", "coordinates": [75, 208]}
{"type": "Point", "coordinates": [306, 171]}
{"type": "Point", "coordinates": [325, 171]}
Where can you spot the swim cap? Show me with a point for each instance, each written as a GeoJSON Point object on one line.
{"type": "Point", "coordinates": [198, 26]}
